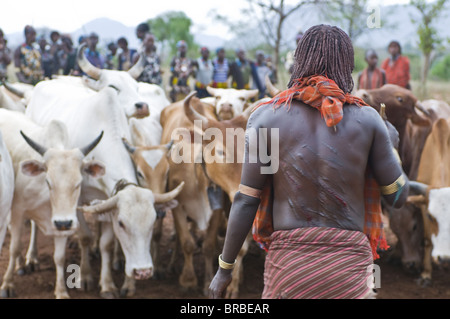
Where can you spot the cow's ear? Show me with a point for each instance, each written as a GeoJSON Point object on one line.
{"type": "Point", "coordinates": [94, 168]}
{"type": "Point", "coordinates": [33, 167]}
{"type": "Point", "coordinates": [171, 204]}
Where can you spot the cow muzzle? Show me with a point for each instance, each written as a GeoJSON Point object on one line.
{"type": "Point", "coordinates": [63, 224]}
{"type": "Point", "coordinates": [226, 112]}
{"type": "Point", "coordinates": [142, 110]}
{"type": "Point", "coordinates": [143, 273]}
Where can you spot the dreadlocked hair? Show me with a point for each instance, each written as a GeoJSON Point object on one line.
{"type": "Point", "coordinates": [328, 51]}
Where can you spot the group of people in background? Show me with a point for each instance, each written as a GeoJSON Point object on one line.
{"type": "Point", "coordinates": [217, 72]}
{"type": "Point", "coordinates": [393, 70]}
{"type": "Point", "coordinates": [39, 58]}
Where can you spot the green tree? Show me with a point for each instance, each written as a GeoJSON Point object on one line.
{"type": "Point", "coordinates": [429, 40]}
{"type": "Point", "coordinates": [172, 26]}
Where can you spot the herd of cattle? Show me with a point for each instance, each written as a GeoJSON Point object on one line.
{"type": "Point", "coordinates": [101, 146]}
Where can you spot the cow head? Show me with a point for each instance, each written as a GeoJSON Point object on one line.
{"type": "Point", "coordinates": [123, 82]}
{"type": "Point", "coordinates": [407, 224]}
{"type": "Point", "coordinates": [230, 102]}
{"type": "Point", "coordinates": [132, 211]}
{"type": "Point", "coordinates": [401, 104]}
{"type": "Point", "coordinates": [152, 165]}
{"type": "Point", "coordinates": [63, 171]}
{"type": "Point", "coordinates": [223, 145]}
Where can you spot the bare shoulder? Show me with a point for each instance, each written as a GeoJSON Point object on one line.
{"type": "Point", "coordinates": [367, 115]}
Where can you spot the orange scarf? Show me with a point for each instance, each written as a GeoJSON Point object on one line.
{"type": "Point", "coordinates": [324, 95]}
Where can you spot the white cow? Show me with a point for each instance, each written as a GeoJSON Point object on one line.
{"type": "Point", "coordinates": [6, 189]}
{"type": "Point", "coordinates": [7, 102]}
{"type": "Point", "coordinates": [228, 103]}
{"type": "Point", "coordinates": [48, 178]}
{"type": "Point", "coordinates": [129, 219]}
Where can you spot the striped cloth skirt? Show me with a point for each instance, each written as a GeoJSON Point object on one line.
{"type": "Point", "coordinates": [318, 262]}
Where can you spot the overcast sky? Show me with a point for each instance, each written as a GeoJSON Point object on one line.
{"type": "Point", "coordinates": [69, 15]}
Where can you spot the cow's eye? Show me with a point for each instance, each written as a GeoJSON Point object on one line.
{"type": "Point", "coordinates": [399, 98]}
{"type": "Point", "coordinates": [114, 87]}
{"type": "Point", "coordinates": [242, 99]}
{"type": "Point", "coordinates": [140, 175]}
{"type": "Point", "coordinates": [121, 224]}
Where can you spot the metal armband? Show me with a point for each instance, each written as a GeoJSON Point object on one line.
{"type": "Point", "coordinates": [394, 187]}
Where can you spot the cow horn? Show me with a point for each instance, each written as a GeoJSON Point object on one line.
{"type": "Point", "coordinates": [37, 147]}
{"type": "Point", "coordinates": [422, 108]}
{"type": "Point", "coordinates": [191, 113]}
{"type": "Point", "coordinates": [85, 65]}
{"type": "Point", "coordinates": [271, 88]}
{"type": "Point", "coordinates": [417, 188]}
{"type": "Point", "coordinates": [169, 145]}
{"type": "Point", "coordinates": [136, 70]}
{"type": "Point", "coordinates": [383, 111]}
{"type": "Point", "coordinates": [131, 149]}
{"type": "Point", "coordinates": [102, 207]}
{"type": "Point", "coordinates": [87, 149]}
{"type": "Point", "coordinates": [13, 90]}
{"type": "Point", "coordinates": [163, 198]}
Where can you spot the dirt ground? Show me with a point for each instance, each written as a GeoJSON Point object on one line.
{"type": "Point", "coordinates": [395, 283]}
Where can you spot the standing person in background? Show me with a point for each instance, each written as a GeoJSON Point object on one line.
{"type": "Point", "coordinates": [203, 70]}
{"type": "Point", "coordinates": [371, 77]}
{"type": "Point", "coordinates": [141, 30]}
{"type": "Point", "coordinates": [112, 60]}
{"type": "Point", "coordinates": [47, 59]}
{"type": "Point", "coordinates": [262, 70]}
{"type": "Point", "coordinates": [397, 66]}
{"type": "Point", "coordinates": [221, 70]}
{"type": "Point", "coordinates": [126, 57]}
{"type": "Point", "coordinates": [5, 55]}
{"type": "Point", "coordinates": [55, 47]}
{"type": "Point", "coordinates": [67, 55]}
{"type": "Point", "coordinates": [27, 59]}
{"type": "Point", "coordinates": [152, 66]}
{"type": "Point", "coordinates": [181, 69]}
{"type": "Point", "coordinates": [92, 54]}
{"type": "Point", "coordinates": [241, 71]}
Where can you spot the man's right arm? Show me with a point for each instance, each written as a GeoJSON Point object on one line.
{"type": "Point", "coordinates": [386, 167]}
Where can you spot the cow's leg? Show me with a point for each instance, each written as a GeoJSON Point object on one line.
{"type": "Point", "coordinates": [85, 240]}
{"type": "Point", "coordinates": [154, 248]}
{"type": "Point", "coordinates": [31, 259]}
{"type": "Point", "coordinates": [118, 257]}
{"type": "Point", "coordinates": [59, 256]}
{"type": "Point", "coordinates": [16, 224]}
{"type": "Point", "coordinates": [233, 288]}
{"type": "Point", "coordinates": [187, 279]}
{"type": "Point", "coordinates": [108, 288]}
{"type": "Point", "coordinates": [425, 276]}
{"type": "Point", "coordinates": [209, 247]}
{"type": "Point", "coordinates": [128, 288]}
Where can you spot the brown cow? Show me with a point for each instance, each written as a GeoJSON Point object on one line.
{"type": "Point", "coordinates": [193, 201]}
{"type": "Point", "coordinates": [223, 159]}
{"type": "Point", "coordinates": [401, 106]}
{"type": "Point", "coordinates": [434, 171]}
